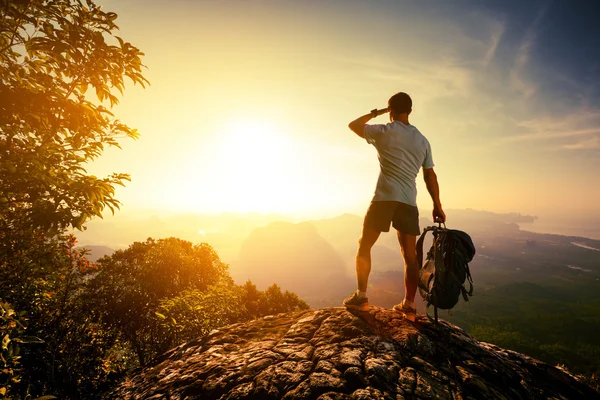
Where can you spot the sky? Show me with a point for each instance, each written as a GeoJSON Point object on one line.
{"type": "Point", "coordinates": [249, 103]}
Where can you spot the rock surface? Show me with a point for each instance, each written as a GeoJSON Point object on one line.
{"type": "Point", "coordinates": [334, 354]}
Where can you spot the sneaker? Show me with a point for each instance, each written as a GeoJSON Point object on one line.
{"type": "Point", "coordinates": [408, 312]}
{"type": "Point", "coordinates": [355, 303]}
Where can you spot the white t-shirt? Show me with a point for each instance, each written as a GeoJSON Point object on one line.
{"type": "Point", "coordinates": [402, 151]}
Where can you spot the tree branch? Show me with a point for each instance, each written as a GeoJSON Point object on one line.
{"type": "Point", "coordinates": [17, 24]}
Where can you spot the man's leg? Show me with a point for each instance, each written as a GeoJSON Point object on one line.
{"type": "Point", "coordinates": [363, 257]}
{"type": "Point", "coordinates": [377, 219]}
{"type": "Point", "coordinates": [408, 245]}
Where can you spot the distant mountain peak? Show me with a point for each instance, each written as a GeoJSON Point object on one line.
{"type": "Point", "coordinates": [95, 252]}
{"type": "Point", "coordinates": [295, 257]}
{"type": "Point", "coordinates": [335, 354]}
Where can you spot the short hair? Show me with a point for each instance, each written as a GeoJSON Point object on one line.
{"type": "Point", "coordinates": [400, 103]}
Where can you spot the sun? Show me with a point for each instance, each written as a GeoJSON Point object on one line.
{"type": "Point", "coordinates": [254, 166]}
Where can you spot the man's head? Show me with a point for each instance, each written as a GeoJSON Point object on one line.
{"type": "Point", "coordinates": [400, 103]}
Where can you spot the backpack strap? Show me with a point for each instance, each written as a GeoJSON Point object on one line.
{"type": "Point", "coordinates": [464, 293]}
{"type": "Point", "coordinates": [462, 286]}
{"type": "Point", "coordinates": [420, 244]}
{"type": "Point", "coordinates": [470, 279]}
{"type": "Point", "coordinates": [435, 313]}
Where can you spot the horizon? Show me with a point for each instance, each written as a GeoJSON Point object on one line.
{"type": "Point", "coordinates": [220, 223]}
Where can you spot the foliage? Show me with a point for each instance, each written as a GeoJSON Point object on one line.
{"type": "Point", "coordinates": [270, 301]}
{"type": "Point", "coordinates": [557, 325]}
{"type": "Point", "coordinates": [506, 339]}
{"type": "Point", "coordinates": [127, 292]}
{"type": "Point", "coordinates": [195, 313]}
{"type": "Point", "coordinates": [99, 321]}
{"type": "Point", "coordinates": [51, 54]}
{"type": "Point", "coordinates": [64, 361]}
{"type": "Point", "coordinates": [157, 294]}
{"type": "Point", "coordinates": [12, 338]}
{"type": "Point", "coordinates": [54, 55]}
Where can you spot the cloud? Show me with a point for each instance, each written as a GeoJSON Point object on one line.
{"type": "Point", "coordinates": [591, 143]}
{"type": "Point", "coordinates": [580, 127]}
{"type": "Point", "coordinates": [494, 42]}
{"type": "Point", "coordinates": [518, 76]}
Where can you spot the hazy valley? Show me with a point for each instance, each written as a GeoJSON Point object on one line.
{"type": "Point", "coordinates": [316, 258]}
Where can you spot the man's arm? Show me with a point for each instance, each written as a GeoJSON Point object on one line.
{"type": "Point", "coordinates": [434, 190]}
{"type": "Point", "coordinates": [358, 125]}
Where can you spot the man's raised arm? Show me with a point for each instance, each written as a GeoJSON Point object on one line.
{"type": "Point", "coordinates": [358, 125]}
{"type": "Point", "coordinates": [434, 190]}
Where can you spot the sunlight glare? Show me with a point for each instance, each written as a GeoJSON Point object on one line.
{"type": "Point", "coordinates": [253, 165]}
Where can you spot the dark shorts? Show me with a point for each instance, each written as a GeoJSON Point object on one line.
{"type": "Point", "coordinates": [402, 216]}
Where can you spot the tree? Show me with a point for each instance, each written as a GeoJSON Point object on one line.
{"type": "Point", "coordinates": [53, 54]}
{"type": "Point", "coordinates": [194, 313]}
{"type": "Point", "coordinates": [61, 65]}
{"type": "Point", "coordinates": [67, 359]}
{"type": "Point", "coordinates": [131, 284]}
{"type": "Point", "coordinates": [270, 301]}
{"type": "Point", "coordinates": [12, 337]}
{"type": "Point", "coordinates": [160, 293]}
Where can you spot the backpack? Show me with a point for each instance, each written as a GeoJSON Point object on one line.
{"type": "Point", "coordinates": [442, 276]}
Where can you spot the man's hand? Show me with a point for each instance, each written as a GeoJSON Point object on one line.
{"type": "Point", "coordinates": [438, 214]}
{"type": "Point", "coordinates": [377, 112]}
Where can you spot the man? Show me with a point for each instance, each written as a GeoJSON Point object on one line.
{"type": "Point", "coordinates": [402, 150]}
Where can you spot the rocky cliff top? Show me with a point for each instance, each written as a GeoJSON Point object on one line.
{"type": "Point", "coordinates": [336, 354]}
